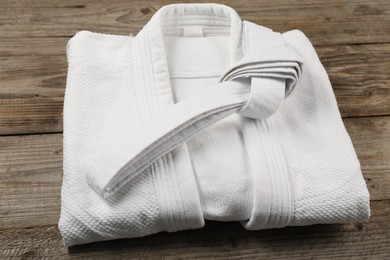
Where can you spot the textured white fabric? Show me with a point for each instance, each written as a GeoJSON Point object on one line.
{"type": "Point", "coordinates": [254, 87]}
{"type": "Point", "coordinates": [130, 103]}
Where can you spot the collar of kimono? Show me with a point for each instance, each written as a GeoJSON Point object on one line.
{"type": "Point", "coordinates": [263, 72]}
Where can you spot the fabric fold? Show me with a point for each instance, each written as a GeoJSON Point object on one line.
{"type": "Point", "coordinates": [255, 88]}
{"type": "Point", "coordinates": [202, 116]}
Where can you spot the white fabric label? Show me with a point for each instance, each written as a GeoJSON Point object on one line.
{"type": "Point", "coordinates": [193, 31]}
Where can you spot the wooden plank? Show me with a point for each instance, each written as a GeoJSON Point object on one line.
{"type": "Point", "coordinates": [353, 42]}
{"type": "Point", "coordinates": [218, 240]}
{"type": "Point", "coordinates": [371, 140]}
{"type": "Point", "coordinates": [32, 86]}
{"type": "Point", "coordinates": [34, 34]}
{"type": "Point", "coordinates": [33, 76]}
{"type": "Point", "coordinates": [325, 22]}
{"type": "Point", "coordinates": [360, 77]}
{"type": "Point", "coordinates": [31, 171]}
{"type": "Point", "coordinates": [30, 180]}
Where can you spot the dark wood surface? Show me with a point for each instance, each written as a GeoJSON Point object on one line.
{"type": "Point", "coordinates": [352, 39]}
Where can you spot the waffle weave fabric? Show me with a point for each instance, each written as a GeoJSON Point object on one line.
{"type": "Point", "coordinates": [294, 167]}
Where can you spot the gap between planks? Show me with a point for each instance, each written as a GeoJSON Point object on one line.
{"type": "Point", "coordinates": [31, 99]}
{"type": "Point", "coordinates": [219, 239]}
{"type": "Point", "coordinates": [31, 171]}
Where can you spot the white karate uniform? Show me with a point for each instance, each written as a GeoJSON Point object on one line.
{"type": "Point", "coordinates": [202, 116]}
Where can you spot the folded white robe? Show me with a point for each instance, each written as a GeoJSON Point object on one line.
{"type": "Point", "coordinates": [202, 116]}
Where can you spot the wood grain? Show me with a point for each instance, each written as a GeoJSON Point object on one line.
{"type": "Point", "coordinates": [30, 180]}
{"type": "Point", "coordinates": [352, 39]}
{"type": "Point", "coordinates": [31, 176]}
{"type": "Point", "coordinates": [218, 240]}
{"type": "Point", "coordinates": [360, 77]}
{"type": "Point", "coordinates": [35, 33]}
{"type": "Point", "coordinates": [31, 96]}
{"type": "Point", "coordinates": [324, 21]}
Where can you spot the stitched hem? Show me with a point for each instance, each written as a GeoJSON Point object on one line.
{"type": "Point", "coordinates": [272, 188]}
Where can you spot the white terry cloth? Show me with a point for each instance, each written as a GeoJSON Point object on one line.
{"type": "Point", "coordinates": [202, 116]}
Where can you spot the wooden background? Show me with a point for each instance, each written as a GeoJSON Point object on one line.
{"type": "Point", "coordinates": [352, 39]}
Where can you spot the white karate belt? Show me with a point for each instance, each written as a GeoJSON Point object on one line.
{"type": "Point", "coordinates": [301, 173]}
{"type": "Point", "coordinates": [254, 88]}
